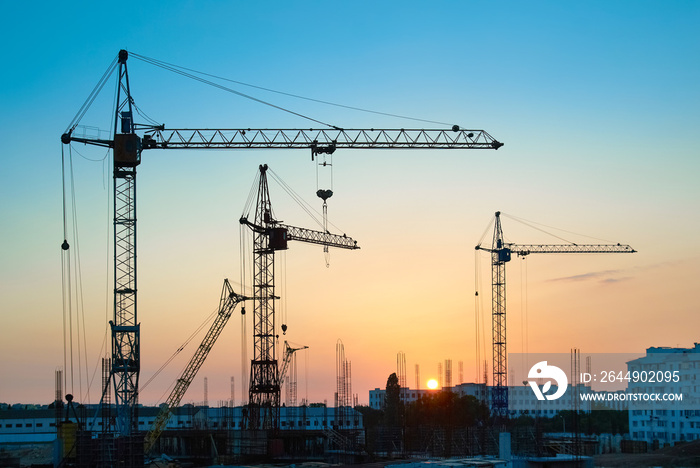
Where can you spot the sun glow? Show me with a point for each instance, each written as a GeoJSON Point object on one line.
{"type": "Point", "coordinates": [432, 384]}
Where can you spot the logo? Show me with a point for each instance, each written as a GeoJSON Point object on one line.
{"type": "Point", "coordinates": [542, 371]}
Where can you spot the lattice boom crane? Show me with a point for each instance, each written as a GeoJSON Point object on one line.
{"type": "Point", "coordinates": [228, 302]}
{"type": "Point", "coordinates": [288, 353]}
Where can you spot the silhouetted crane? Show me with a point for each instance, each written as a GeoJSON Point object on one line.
{"type": "Point", "coordinates": [501, 253]}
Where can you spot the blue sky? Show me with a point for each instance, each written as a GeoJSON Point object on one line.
{"type": "Point", "coordinates": [596, 102]}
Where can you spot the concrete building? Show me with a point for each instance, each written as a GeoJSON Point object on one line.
{"type": "Point", "coordinates": [666, 371]}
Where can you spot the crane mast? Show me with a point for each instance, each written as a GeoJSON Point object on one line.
{"type": "Point", "coordinates": [127, 148]}
{"type": "Point", "coordinates": [501, 253]}
{"type": "Point", "coordinates": [499, 257]}
{"type": "Point", "coordinates": [125, 328]}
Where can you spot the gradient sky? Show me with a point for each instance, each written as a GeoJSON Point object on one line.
{"type": "Point", "coordinates": [596, 102]}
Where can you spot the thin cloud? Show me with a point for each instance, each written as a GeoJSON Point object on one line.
{"type": "Point", "coordinates": [618, 276]}
{"type": "Point", "coordinates": [603, 276]}
{"type": "Point", "coordinates": [615, 280]}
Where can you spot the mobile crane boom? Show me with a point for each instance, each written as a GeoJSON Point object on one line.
{"type": "Point", "coordinates": [288, 353]}
{"type": "Point", "coordinates": [228, 302]}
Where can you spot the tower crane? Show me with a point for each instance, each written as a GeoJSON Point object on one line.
{"type": "Point", "coordinates": [270, 235]}
{"type": "Point", "coordinates": [228, 302]}
{"type": "Point", "coordinates": [501, 253]}
{"type": "Point", "coordinates": [129, 140]}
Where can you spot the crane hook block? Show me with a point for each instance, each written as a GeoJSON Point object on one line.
{"type": "Point", "coordinates": [324, 194]}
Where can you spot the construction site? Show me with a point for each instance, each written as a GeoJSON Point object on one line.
{"type": "Point", "coordinates": [120, 432]}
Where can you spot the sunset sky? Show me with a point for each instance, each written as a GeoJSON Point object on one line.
{"type": "Point", "coordinates": [596, 102]}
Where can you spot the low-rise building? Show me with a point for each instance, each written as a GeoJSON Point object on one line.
{"type": "Point", "coordinates": [27, 426]}
{"type": "Point", "coordinates": [663, 374]}
{"type": "Point", "coordinates": [407, 395]}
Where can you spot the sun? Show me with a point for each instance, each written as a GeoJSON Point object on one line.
{"type": "Point", "coordinates": [432, 384]}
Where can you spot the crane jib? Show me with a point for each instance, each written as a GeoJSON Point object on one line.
{"type": "Point", "coordinates": [130, 145]}
{"type": "Point", "coordinates": [310, 138]}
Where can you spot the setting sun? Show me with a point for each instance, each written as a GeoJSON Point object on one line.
{"type": "Point", "coordinates": [432, 384]}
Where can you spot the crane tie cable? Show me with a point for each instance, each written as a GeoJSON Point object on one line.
{"type": "Point", "coordinates": [530, 224]}
{"type": "Point", "coordinates": [176, 68]}
{"type": "Point", "coordinates": [93, 95]}
{"type": "Point", "coordinates": [182, 71]}
{"type": "Point", "coordinates": [297, 96]}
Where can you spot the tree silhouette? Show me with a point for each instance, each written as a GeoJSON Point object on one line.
{"type": "Point", "coordinates": [393, 406]}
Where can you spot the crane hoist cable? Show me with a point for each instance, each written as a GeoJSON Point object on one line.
{"type": "Point", "coordinates": [72, 286]}
{"type": "Point", "coordinates": [325, 161]}
{"type": "Point", "coordinates": [65, 246]}
{"type": "Point", "coordinates": [65, 279]}
{"type": "Point", "coordinates": [477, 314]}
{"type": "Point", "coordinates": [244, 236]}
{"type": "Point", "coordinates": [284, 311]}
